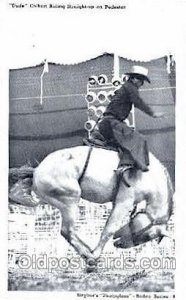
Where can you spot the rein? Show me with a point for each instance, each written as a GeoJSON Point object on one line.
{"type": "Point", "coordinates": [86, 164]}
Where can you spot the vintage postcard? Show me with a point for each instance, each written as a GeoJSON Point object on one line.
{"type": "Point", "coordinates": [91, 120]}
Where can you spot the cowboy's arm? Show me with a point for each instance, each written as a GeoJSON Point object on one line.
{"type": "Point", "coordinates": [140, 104]}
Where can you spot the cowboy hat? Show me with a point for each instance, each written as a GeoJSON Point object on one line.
{"type": "Point", "coordinates": [139, 72]}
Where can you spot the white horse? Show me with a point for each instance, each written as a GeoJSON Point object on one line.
{"type": "Point", "coordinates": [65, 176]}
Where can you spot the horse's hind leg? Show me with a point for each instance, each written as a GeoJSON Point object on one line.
{"type": "Point", "coordinates": [68, 229]}
{"type": "Point", "coordinates": [66, 200]}
{"type": "Point", "coordinates": [62, 190]}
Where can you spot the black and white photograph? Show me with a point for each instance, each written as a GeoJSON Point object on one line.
{"type": "Point", "coordinates": [92, 108]}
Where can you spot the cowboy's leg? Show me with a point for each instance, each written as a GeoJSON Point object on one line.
{"type": "Point", "coordinates": [129, 139]}
{"type": "Point", "coordinates": [107, 129]}
{"type": "Point", "coordinates": [119, 216]}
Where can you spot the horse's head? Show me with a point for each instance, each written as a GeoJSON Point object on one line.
{"type": "Point", "coordinates": [140, 230]}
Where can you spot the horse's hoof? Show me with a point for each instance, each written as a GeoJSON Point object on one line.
{"type": "Point", "coordinates": [91, 262]}
{"type": "Point", "coordinates": [91, 265]}
{"type": "Point", "coordinates": [91, 269]}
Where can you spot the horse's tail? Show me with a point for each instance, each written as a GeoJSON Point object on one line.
{"type": "Point", "coordinates": [20, 186]}
{"type": "Point", "coordinates": [23, 172]}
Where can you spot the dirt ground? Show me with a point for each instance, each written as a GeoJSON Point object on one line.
{"type": "Point", "coordinates": [157, 281]}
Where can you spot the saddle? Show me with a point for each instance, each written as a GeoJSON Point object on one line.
{"type": "Point", "coordinates": [97, 140]}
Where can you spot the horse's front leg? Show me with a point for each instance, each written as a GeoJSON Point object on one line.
{"type": "Point", "coordinates": [119, 216]}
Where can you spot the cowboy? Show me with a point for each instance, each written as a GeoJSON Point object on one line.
{"type": "Point", "coordinates": [114, 129]}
